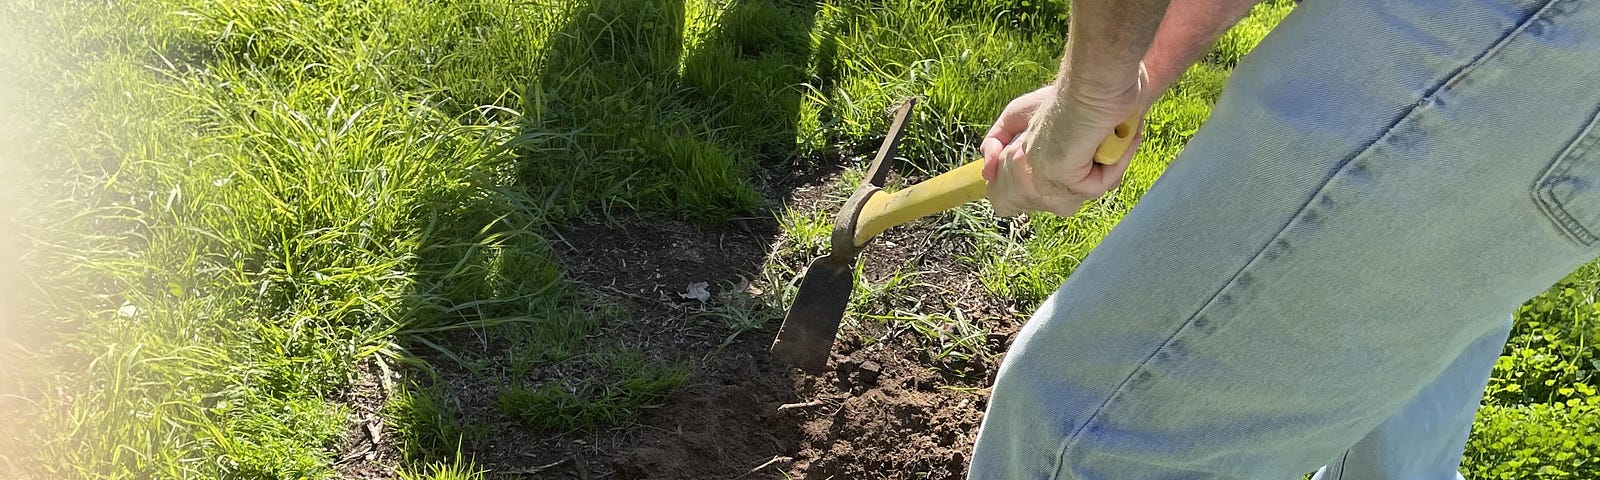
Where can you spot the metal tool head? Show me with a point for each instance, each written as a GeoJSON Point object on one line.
{"type": "Point", "coordinates": [806, 337]}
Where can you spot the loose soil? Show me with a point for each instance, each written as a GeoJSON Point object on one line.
{"type": "Point", "coordinates": [887, 409]}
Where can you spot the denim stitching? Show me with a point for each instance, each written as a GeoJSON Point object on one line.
{"type": "Point", "coordinates": [1545, 198]}
{"type": "Point", "coordinates": [1450, 80]}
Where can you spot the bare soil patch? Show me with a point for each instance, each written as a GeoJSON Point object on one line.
{"type": "Point", "coordinates": [368, 450]}
{"type": "Point", "coordinates": [888, 409]}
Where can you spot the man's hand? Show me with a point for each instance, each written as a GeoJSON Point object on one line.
{"type": "Point", "coordinates": [1123, 54]}
{"type": "Point", "coordinates": [1039, 153]}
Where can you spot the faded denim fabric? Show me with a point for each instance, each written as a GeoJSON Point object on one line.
{"type": "Point", "coordinates": [1324, 277]}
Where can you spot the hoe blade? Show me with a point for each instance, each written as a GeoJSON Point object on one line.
{"type": "Point", "coordinates": [806, 338]}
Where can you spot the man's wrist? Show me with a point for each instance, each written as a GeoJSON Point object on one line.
{"type": "Point", "coordinates": [1103, 91]}
{"type": "Point", "coordinates": [1097, 79]}
{"type": "Point", "coordinates": [1100, 92]}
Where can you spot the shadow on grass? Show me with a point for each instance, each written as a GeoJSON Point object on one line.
{"type": "Point", "coordinates": [667, 110]}
{"type": "Point", "coordinates": [608, 287]}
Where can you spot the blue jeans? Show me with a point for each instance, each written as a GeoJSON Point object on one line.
{"type": "Point", "coordinates": [1324, 277]}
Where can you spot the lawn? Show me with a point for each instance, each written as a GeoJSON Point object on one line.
{"type": "Point", "coordinates": [455, 240]}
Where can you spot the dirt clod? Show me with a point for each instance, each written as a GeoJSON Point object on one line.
{"type": "Point", "coordinates": [867, 373]}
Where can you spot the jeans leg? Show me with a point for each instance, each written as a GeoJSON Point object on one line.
{"type": "Point", "coordinates": [1380, 185]}
{"type": "Point", "coordinates": [1424, 440]}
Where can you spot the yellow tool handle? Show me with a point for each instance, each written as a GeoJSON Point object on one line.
{"type": "Point", "coordinates": [957, 187]}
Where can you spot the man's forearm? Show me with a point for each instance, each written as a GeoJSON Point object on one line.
{"type": "Point", "coordinates": [1109, 39]}
{"type": "Point", "coordinates": [1106, 41]}
{"type": "Point", "coordinates": [1186, 33]}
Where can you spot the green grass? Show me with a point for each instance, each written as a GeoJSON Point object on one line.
{"type": "Point", "coordinates": [428, 420]}
{"type": "Point", "coordinates": [456, 468]}
{"type": "Point", "coordinates": [587, 403]}
{"type": "Point", "coordinates": [237, 207]}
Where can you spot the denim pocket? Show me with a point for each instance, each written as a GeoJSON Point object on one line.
{"type": "Point", "coordinates": [1568, 192]}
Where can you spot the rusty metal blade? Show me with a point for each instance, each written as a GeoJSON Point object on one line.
{"type": "Point", "coordinates": [806, 338]}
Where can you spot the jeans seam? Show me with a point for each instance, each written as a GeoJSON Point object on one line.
{"type": "Point", "coordinates": [1448, 80]}
{"type": "Point", "coordinates": [1544, 198]}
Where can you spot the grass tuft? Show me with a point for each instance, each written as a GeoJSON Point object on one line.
{"type": "Point", "coordinates": [428, 419]}
{"type": "Point", "coordinates": [453, 469]}
{"type": "Point", "coordinates": [586, 404]}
